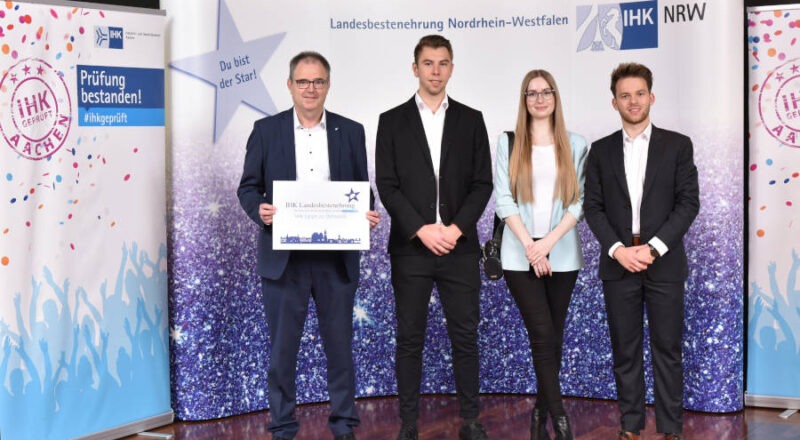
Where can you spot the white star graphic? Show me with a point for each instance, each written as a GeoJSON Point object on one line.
{"type": "Point", "coordinates": [234, 70]}
{"type": "Point", "coordinates": [213, 207]}
{"type": "Point", "coordinates": [360, 314]}
{"type": "Point", "coordinates": [177, 335]}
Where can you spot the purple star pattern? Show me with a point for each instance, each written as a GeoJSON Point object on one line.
{"type": "Point", "coordinates": [219, 335]}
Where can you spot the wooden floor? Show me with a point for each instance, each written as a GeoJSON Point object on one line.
{"type": "Point", "coordinates": [504, 416]}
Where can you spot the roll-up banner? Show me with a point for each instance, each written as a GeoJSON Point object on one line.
{"type": "Point", "coordinates": [228, 66]}
{"type": "Point", "coordinates": [83, 254]}
{"type": "Point", "coordinates": [773, 321]}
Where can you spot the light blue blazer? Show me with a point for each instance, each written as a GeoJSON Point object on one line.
{"type": "Point", "coordinates": [566, 254]}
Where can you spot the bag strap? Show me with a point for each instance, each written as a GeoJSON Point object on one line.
{"type": "Point", "coordinates": [498, 222]}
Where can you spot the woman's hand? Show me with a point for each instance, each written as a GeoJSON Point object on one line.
{"type": "Point", "coordinates": [542, 268]}
{"type": "Point", "coordinates": [538, 250]}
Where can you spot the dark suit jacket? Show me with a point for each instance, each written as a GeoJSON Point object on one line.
{"type": "Point", "coordinates": [271, 156]}
{"type": "Point", "coordinates": [407, 185]}
{"type": "Point", "coordinates": [670, 201]}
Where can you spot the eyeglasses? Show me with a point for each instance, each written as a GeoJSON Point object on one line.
{"type": "Point", "coordinates": [304, 83]}
{"type": "Point", "coordinates": [546, 94]}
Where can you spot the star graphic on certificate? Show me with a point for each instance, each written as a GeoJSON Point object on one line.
{"type": "Point", "coordinates": [234, 70]}
{"type": "Point", "coordinates": [352, 195]}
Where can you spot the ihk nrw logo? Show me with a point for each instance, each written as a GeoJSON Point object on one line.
{"type": "Point", "coordinates": [108, 37]}
{"type": "Point", "coordinates": [617, 26]}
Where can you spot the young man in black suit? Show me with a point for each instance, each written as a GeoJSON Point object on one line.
{"type": "Point", "coordinates": [641, 196]}
{"type": "Point", "coordinates": [434, 177]}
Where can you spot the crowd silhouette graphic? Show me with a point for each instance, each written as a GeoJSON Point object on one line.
{"type": "Point", "coordinates": [77, 362]}
{"type": "Point", "coordinates": [772, 342]}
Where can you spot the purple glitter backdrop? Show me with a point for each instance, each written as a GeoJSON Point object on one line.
{"type": "Point", "coordinates": [218, 333]}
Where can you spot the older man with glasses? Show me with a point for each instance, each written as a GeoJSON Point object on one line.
{"type": "Point", "coordinates": [305, 143]}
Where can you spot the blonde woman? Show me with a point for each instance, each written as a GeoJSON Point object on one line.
{"type": "Point", "coordinates": [539, 194]}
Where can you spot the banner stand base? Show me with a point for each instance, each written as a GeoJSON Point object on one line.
{"type": "Point", "coordinates": [133, 428]}
{"type": "Point", "coordinates": [789, 403]}
{"type": "Point", "coordinates": [156, 435]}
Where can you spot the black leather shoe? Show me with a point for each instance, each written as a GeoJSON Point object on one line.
{"type": "Point", "coordinates": [348, 436]}
{"type": "Point", "coordinates": [562, 428]}
{"type": "Point", "coordinates": [408, 432]}
{"type": "Point", "coordinates": [472, 430]}
{"type": "Point", "coordinates": [539, 424]}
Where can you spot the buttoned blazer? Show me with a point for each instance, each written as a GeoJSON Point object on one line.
{"type": "Point", "coordinates": [270, 156]}
{"type": "Point", "coordinates": [670, 201]}
{"type": "Point", "coordinates": [566, 255]}
{"type": "Point", "coordinates": [406, 182]}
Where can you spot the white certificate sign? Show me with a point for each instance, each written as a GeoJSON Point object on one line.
{"type": "Point", "coordinates": [320, 215]}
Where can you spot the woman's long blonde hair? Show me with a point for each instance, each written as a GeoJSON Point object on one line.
{"type": "Point", "coordinates": [520, 167]}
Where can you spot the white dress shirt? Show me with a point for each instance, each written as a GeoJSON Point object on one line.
{"type": "Point", "coordinates": [635, 151]}
{"type": "Point", "coordinates": [433, 124]}
{"type": "Point", "coordinates": [635, 158]}
{"type": "Point", "coordinates": [311, 151]}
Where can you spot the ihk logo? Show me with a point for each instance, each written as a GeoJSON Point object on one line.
{"type": "Point", "coordinates": [618, 26]}
{"type": "Point", "coordinates": [39, 113]}
{"type": "Point", "coordinates": [108, 37]}
{"type": "Point", "coordinates": [779, 103]}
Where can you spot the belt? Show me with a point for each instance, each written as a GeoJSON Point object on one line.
{"type": "Point", "coordinates": [637, 240]}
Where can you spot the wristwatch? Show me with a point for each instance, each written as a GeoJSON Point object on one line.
{"type": "Point", "coordinates": [653, 252]}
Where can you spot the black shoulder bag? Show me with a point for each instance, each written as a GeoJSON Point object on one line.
{"type": "Point", "coordinates": [490, 253]}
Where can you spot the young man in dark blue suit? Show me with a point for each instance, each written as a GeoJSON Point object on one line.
{"type": "Point", "coordinates": [434, 176]}
{"type": "Point", "coordinates": [641, 196]}
{"type": "Point", "coordinates": [305, 143]}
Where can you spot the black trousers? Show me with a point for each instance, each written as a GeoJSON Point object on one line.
{"type": "Point", "coordinates": [458, 281]}
{"type": "Point", "coordinates": [543, 303]}
{"type": "Point", "coordinates": [625, 304]}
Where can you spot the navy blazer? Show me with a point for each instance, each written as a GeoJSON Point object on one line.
{"type": "Point", "coordinates": [271, 156]}
{"type": "Point", "coordinates": [407, 185]}
{"type": "Point", "coordinates": [670, 201]}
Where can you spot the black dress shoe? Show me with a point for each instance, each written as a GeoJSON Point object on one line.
{"type": "Point", "coordinates": [562, 428]}
{"type": "Point", "coordinates": [348, 436]}
{"type": "Point", "coordinates": [539, 424]}
{"type": "Point", "coordinates": [472, 430]}
{"type": "Point", "coordinates": [408, 432]}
